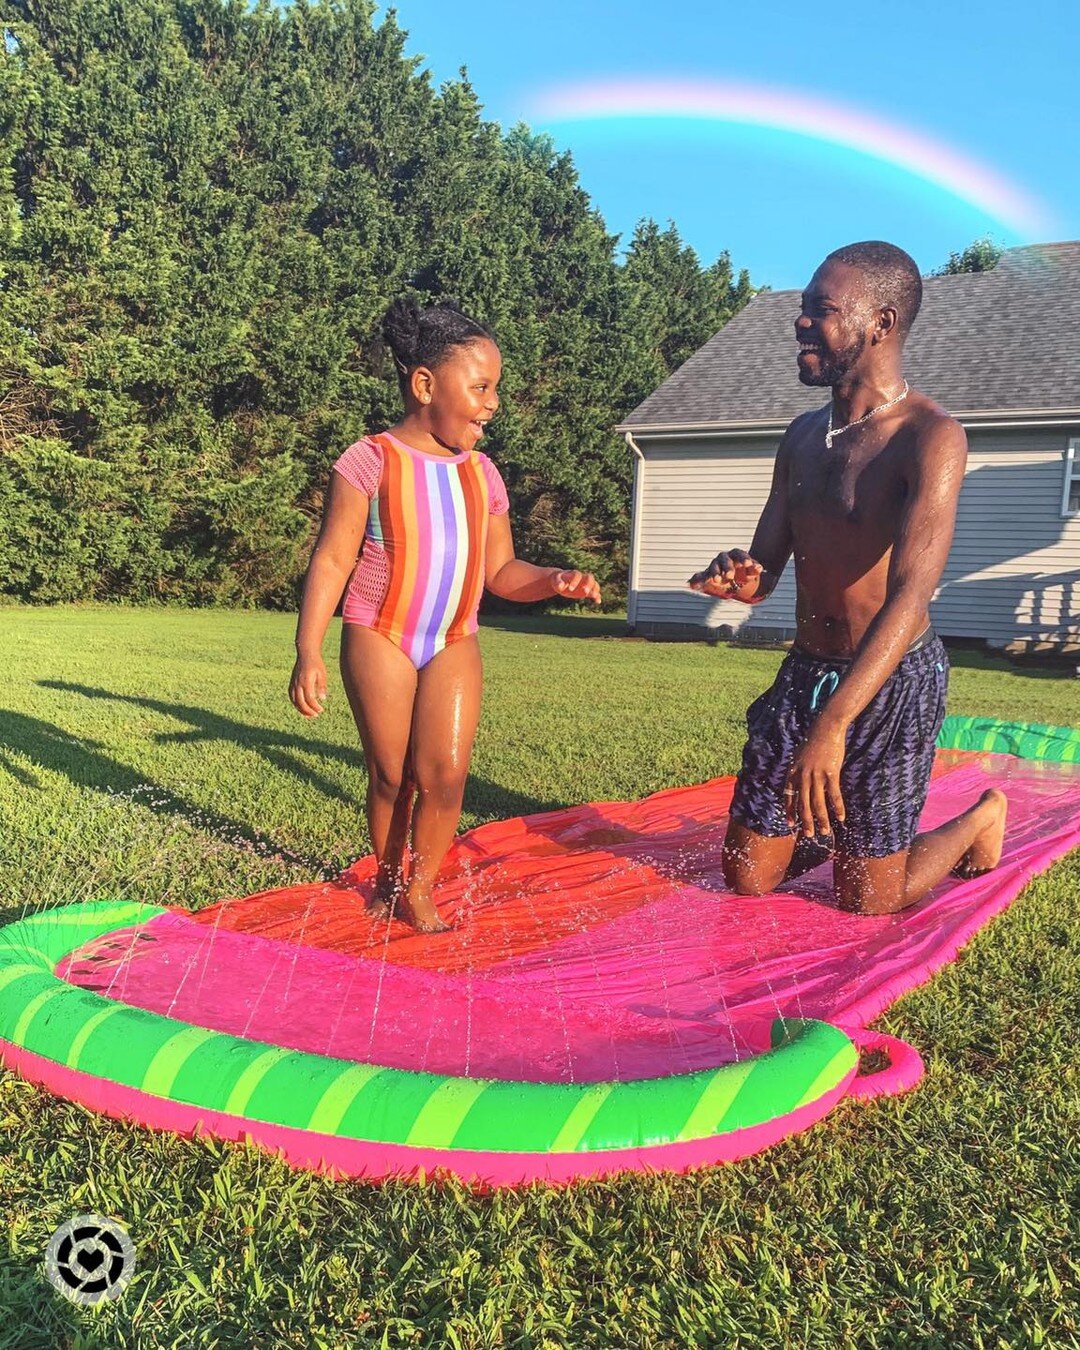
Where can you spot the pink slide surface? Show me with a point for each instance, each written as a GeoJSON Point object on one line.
{"type": "Point", "coordinates": [592, 944]}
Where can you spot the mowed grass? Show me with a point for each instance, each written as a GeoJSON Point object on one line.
{"type": "Point", "coordinates": [154, 755]}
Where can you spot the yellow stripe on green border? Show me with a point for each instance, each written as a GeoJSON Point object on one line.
{"type": "Point", "coordinates": [171, 1058]}
{"type": "Point", "coordinates": [716, 1100]}
{"type": "Point", "coordinates": [99, 914]}
{"type": "Point", "coordinates": [441, 1115]}
{"type": "Point", "coordinates": [87, 1030]}
{"type": "Point", "coordinates": [1024, 740]}
{"type": "Point", "coordinates": [18, 1032]}
{"type": "Point", "coordinates": [20, 972]}
{"type": "Point", "coordinates": [845, 1058]}
{"type": "Point", "coordinates": [330, 1109]}
{"type": "Point", "coordinates": [581, 1117]}
{"type": "Point", "coordinates": [250, 1079]}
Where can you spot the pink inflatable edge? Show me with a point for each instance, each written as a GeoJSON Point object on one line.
{"type": "Point", "coordinates": [1004, 884]}
{"type": "Point", "coordinates": [336, 1157]}
{"type": "Point", "coordinates": [904, 1070]}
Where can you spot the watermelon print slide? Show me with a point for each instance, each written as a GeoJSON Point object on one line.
{"type": "Point", "coordinates": [602, 1003]}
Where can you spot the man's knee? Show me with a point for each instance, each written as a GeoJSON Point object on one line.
{"type": "Point", "coordinates": [748, 880]}
{"type": "Point", "coordinates": [865, 902]}
{"type": "Point", "coordinates": [870, 885]}
{"type": "Point", "coordinates": [745, 871]}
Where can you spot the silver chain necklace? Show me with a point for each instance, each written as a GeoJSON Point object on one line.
{"type": "Point", "coordinates": [839, 431]}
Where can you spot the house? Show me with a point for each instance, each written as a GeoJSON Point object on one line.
{"type": "Point", "coordinates": [999, 349]}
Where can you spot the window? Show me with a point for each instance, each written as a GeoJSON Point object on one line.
{"type": "Point", "coordinates": [1070, 489]}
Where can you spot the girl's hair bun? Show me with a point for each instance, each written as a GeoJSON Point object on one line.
{"type": "Point", "coordinates": [424, 337]}
{"type": "Point", "coordinates": [401, 330]}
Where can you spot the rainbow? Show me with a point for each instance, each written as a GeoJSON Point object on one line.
{"type": "Point", "coordinates": [811, 117]}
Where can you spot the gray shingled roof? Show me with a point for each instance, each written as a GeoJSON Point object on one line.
{"type": "Point", "coordinates": [1002, 341]}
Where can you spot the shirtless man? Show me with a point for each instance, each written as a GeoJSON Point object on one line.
{"type": "Point", "coordinates": [864, 494]}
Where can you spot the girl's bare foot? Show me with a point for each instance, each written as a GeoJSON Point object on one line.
{"type": "Point", "coordinates": [420, 912]}
{"type": "Point", "coordinates": [985, 853]}
{"type": "Point", "coordinates": [384, 898]}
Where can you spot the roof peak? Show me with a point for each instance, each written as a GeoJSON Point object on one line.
{"type": "Point", "coordinates": [996, 341]}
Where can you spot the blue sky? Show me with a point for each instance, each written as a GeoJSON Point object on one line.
{"type": "Point", "coordinates": [992, 84]}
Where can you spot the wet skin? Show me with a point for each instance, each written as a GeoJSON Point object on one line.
{"type": "Point", "coordinates": [869, 521]}
{"type": "Point", "coordinates": [845, 509]}
{"type": "Point", "coordinates": [416, 727]}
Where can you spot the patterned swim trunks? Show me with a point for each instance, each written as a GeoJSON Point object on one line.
{"type": "Point", "coordinates": [889, 756]}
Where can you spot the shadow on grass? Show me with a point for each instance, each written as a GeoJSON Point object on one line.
{"type": "Point", "coordinates": [87, 764]}
{"type": "Point", "coordinates": [482, 797]}
{"type": "Point", "coordinates": [1037, 666]}
{"type": "Point", "coordinates": [35, 1315]}
{"type": "Point", "coordinates": [559, 625]}
{"type": "Point", "coordinates": [203, 725]}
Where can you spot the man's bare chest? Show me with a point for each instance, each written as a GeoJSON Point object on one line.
{"type": "Point", "coordinates": [846, 488]}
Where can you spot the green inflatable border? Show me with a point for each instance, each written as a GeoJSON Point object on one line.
{"type": "Point", "coordinates": [214, 1071]}
{"type": "Point", "coordinates": [1025, 740]}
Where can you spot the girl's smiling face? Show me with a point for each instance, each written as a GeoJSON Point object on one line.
{"type": "Point", "coordinates": [460, 396]}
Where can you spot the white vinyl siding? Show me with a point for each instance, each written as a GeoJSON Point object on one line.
{"type": "Point", "coordinates": [1013, 572]}
{"type": "Point", "coordinates": [1014, 568]}
{"type": "Point", "coordinates": [698, 497]}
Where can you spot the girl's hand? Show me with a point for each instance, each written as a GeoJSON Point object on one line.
{"type": "Point", "coordinates": [307, 688]}
{"type": "Point", "coordinates": [573, 585]}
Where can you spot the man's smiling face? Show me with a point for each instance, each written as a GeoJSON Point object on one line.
{"type": "Point", "coordinates": [833, 326]}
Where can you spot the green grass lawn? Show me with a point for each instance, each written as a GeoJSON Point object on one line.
{"type": "Point", "coordinates": [154, 755]}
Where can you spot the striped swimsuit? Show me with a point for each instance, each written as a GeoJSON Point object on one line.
{"type": "Point", "coordinates": [420, 574]}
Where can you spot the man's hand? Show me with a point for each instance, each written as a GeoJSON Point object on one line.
{"type": "Point", "coordinates": [730, 576]}
{"type": "Point", "coordinates": [813, 786]}
{"type": "Point", "coordinates": [571, 585]}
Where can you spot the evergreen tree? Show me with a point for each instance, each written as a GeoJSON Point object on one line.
{"type": "Point", "coordinates": [205, 208]}
{"type": "Point", "coordinates": [671, 305]}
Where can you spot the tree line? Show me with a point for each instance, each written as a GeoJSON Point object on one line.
{"type": "Point", "coordinates": [205, 208]}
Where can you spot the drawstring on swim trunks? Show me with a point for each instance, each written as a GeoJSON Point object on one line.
{"type": "Point", "coordinates": [827, 677]}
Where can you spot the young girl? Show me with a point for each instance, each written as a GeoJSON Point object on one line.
{"type": "Point", "coordinates": [427, 513]}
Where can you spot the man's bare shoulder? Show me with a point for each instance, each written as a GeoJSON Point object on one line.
{"type": "Point", "coordinates": [931, 423]}
{"type": "Point", "coordinates": [805, 422]}
{"type": "Point", "coordinates": [933, 436]}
